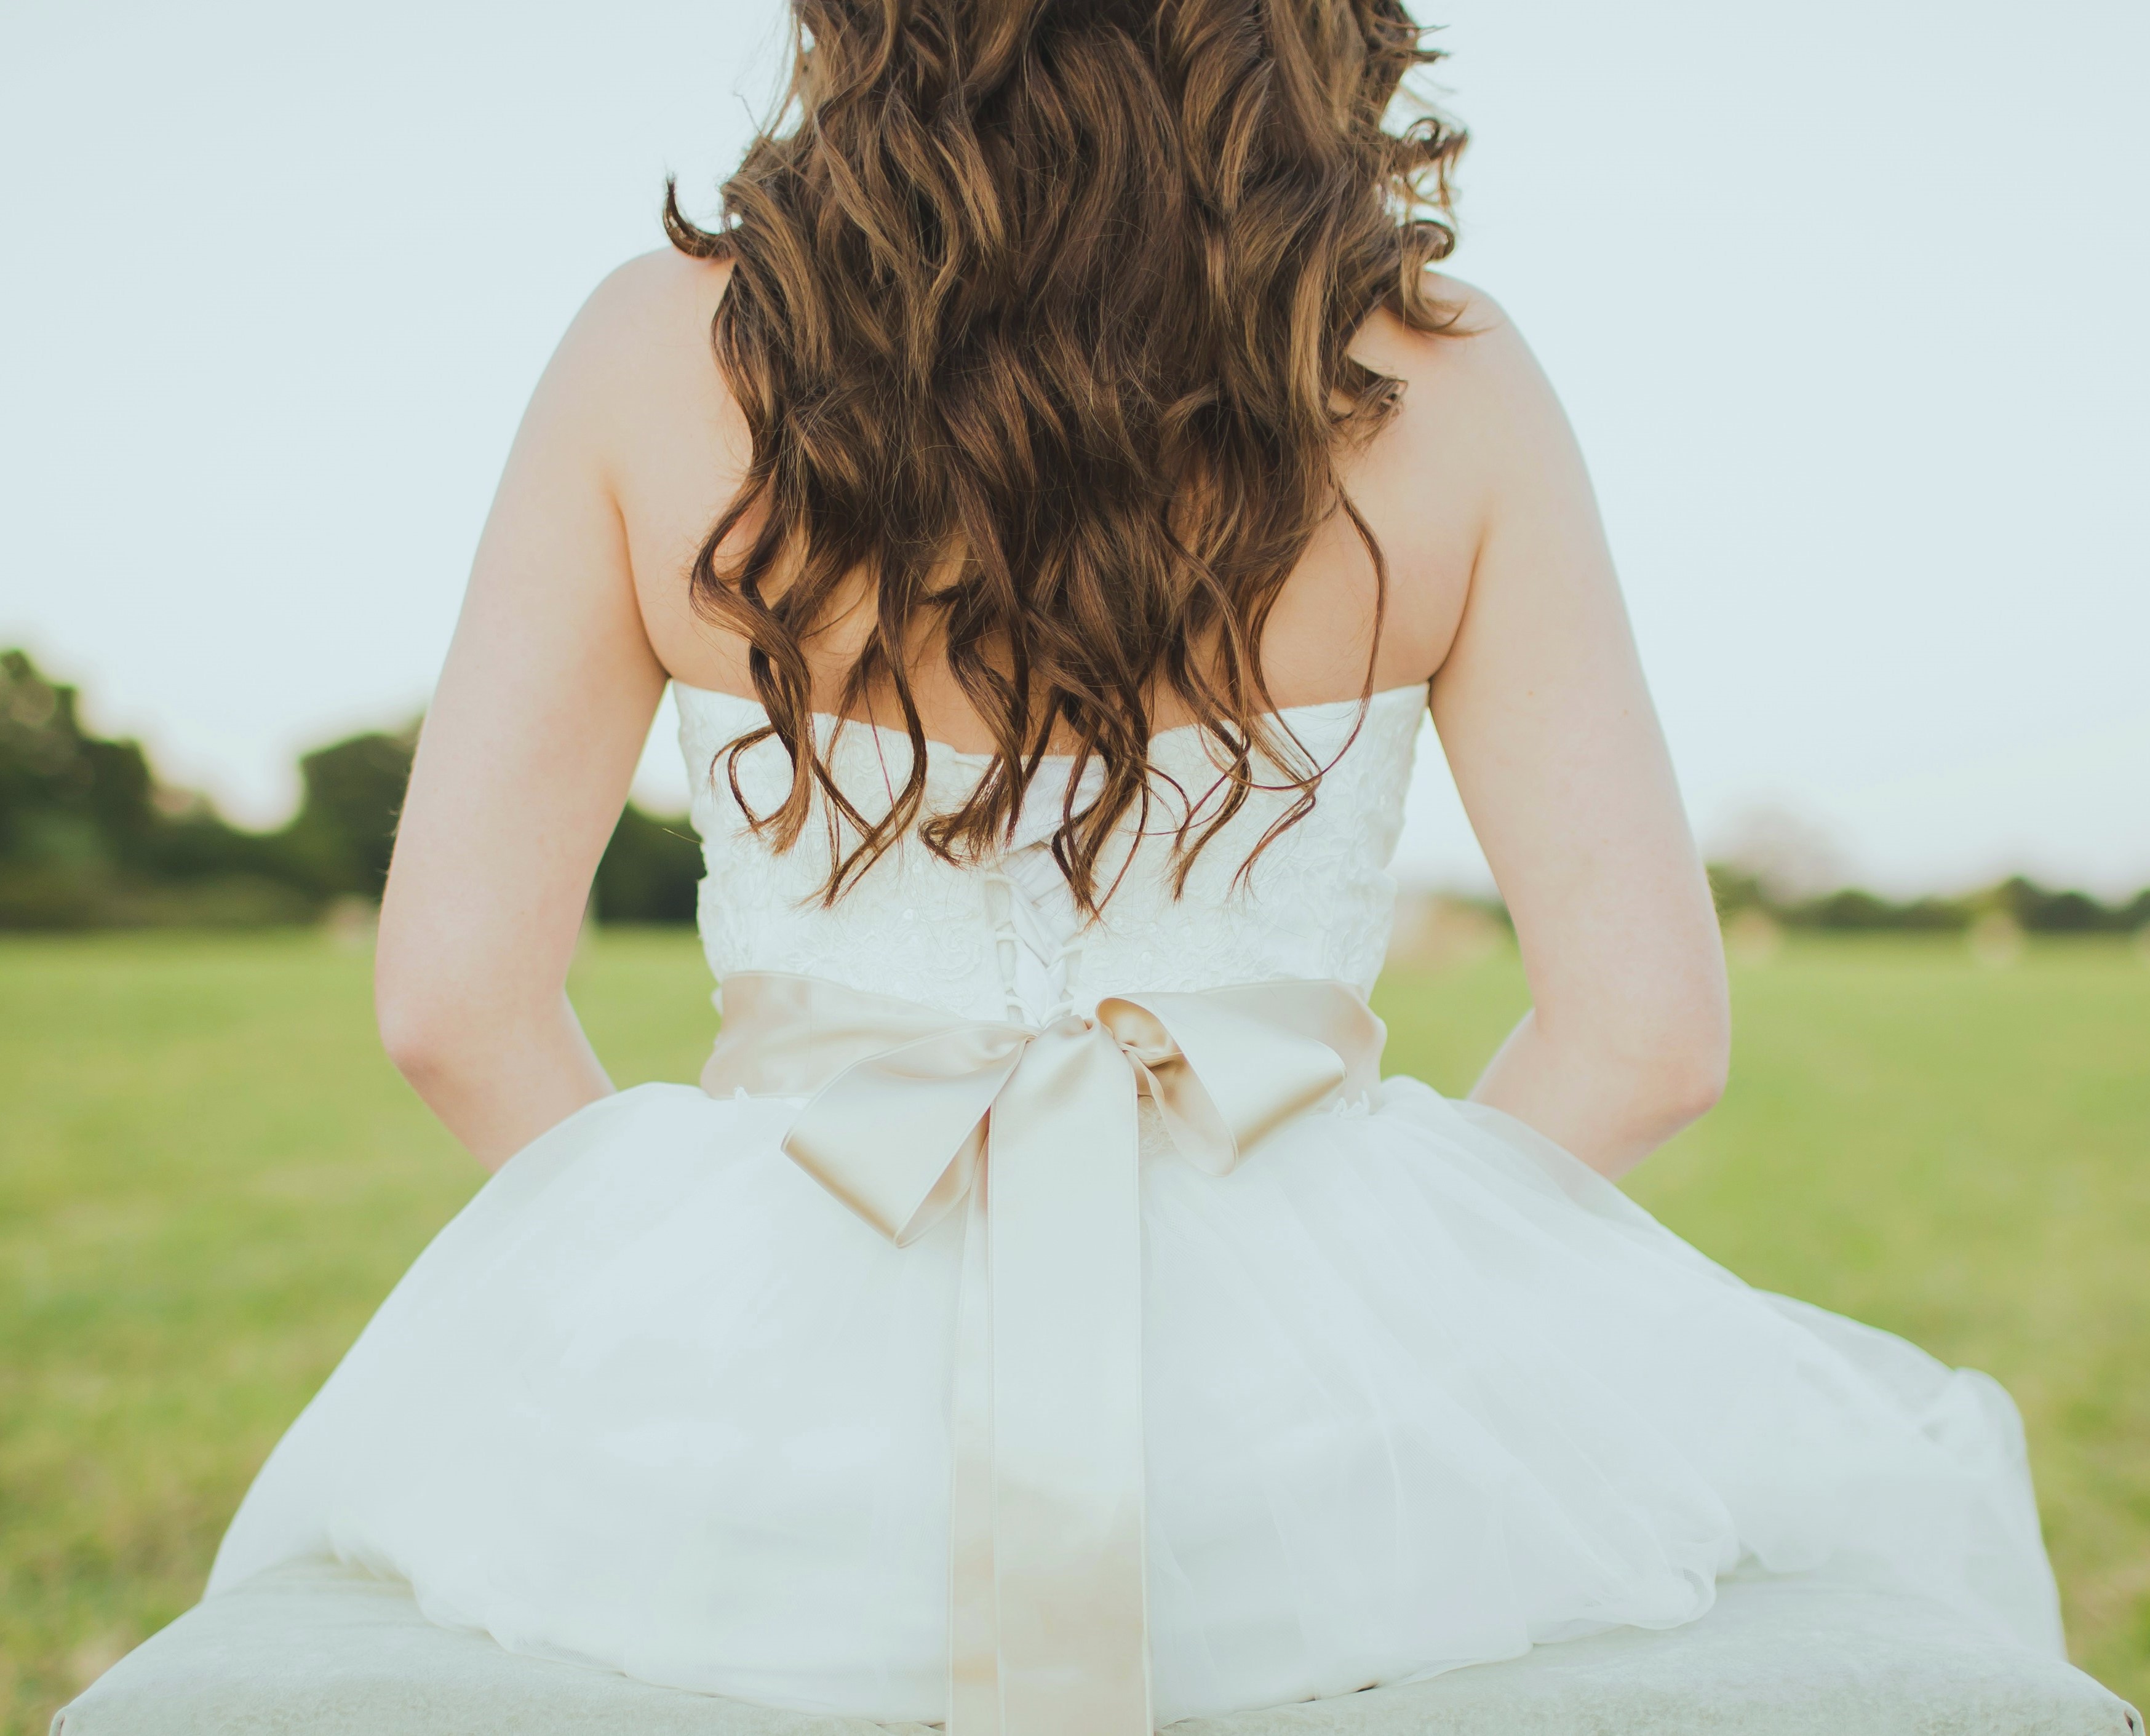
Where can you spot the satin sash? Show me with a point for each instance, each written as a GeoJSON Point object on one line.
{"type": "Point", "coordinates": [1032, 1130]}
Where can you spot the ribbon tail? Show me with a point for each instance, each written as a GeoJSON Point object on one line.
{"type": "Point", "coordinates": [974, 1686]}
{"type": "Point", "coordinates": [1068, 1473]}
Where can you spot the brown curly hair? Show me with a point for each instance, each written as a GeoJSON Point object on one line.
{"type": "Point", "coordinates": [1037, 316]}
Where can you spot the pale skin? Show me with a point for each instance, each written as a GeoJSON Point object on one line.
{"type": "Point", "coordinates": [1502, 603]}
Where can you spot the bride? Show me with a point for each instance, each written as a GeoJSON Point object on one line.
{"type": "Point", "coordinates": [1054, 492]}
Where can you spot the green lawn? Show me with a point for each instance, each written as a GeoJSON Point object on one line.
{"type": "Point", "coordinates": [209, 1176]}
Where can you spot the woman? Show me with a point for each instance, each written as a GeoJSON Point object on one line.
{"type": "Point", "coordinates": [1042, 1317]}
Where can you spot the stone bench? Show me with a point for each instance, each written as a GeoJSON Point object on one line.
{"type": "Point", "coordinates": [322, 1651]}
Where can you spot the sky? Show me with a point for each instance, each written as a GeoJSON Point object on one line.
{"type": "Point", "coordinates": [1847, 304]}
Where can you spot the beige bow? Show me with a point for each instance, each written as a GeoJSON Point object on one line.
{"type": "Point", "coordinates": [913, 1111]}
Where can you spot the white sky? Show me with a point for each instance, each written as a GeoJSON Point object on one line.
{"type": "Point", "coordinates": [1850, 303]}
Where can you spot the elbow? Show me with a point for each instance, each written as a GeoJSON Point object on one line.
{"type": "Point", "coordinates": [1684, 1064]}
{"type": "Point", "coordinates": [1692, 1082]}
{"type": "Point", "coordinates": [415, 1030]}
{"type": "Point", "coordinates": [425, 1021]}
{"type": "Point", "coordinates": [1659, 1069]}
{"type": "Point", "coordinates": [1620, 1081]}
{"type": "Point", "coordinates": [452, 1006]}
{"type": "Point", "coordinates": [432, 983]}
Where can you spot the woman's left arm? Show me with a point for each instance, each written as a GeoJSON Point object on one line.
{"type": "Point", "coordinates": [522, 769]}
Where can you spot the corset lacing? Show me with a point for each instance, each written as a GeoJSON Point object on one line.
{"type": "Point", "coordinates": [1037, 942]}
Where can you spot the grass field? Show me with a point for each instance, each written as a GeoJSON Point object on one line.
{"type": "Point", "coordinates": [209, 1176]}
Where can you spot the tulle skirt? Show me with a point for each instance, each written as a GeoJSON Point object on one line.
{"type": "Point", "coordinates": [1420, 1390]}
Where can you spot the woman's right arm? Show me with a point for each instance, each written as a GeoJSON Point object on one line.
{"type": "Point", "coordinates": [1556, 752]}
{"type": "Point", "coordinates": [525, 757]}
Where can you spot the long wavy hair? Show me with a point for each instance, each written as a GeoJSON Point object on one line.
{"type": "Point", "coordinates": [1038, 315]}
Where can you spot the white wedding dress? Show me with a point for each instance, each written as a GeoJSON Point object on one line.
{"type": "Point", "coordinates": [1419, 1389]}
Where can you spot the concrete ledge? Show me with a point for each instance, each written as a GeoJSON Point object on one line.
{"type": "Point", "coordinates": [322, 1651]}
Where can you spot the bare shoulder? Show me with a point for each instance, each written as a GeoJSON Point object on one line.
{"type": "Point", "coordinates": [1478, 413]}
{"type": "Point", "coordinates": [650, 299]}
{"type": "Point", "coordinates": [637, 381]}
{"type": "Point", "coordinates": [636, 359]}
{"type": "Point", "coordinates": [1469, 313]}
{"type": "Point", "coordinates": [1474, 393]}
{"type": "Point", "coordinates": [1435, 477]}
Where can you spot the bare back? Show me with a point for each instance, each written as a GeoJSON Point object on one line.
{"type": "Point", "coordinates": [684, 456]}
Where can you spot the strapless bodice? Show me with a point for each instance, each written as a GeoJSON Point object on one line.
{"type": "Point", "coordinates": [1003, 939]}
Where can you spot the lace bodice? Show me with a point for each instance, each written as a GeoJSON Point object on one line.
{"type": "Point", "coordinates": [1004, 940]}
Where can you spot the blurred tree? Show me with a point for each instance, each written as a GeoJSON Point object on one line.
{"type": "Point", "coordinates": [650, 871]}
{"type": "Point", "coordinates": [65, 797]}
{"type": "Point", "coordinates": [338, 842]}
{"type": "Point", "coordinates": [1736, 889]}
{"type": "Point", "coordinates": [88, 837]}
{"type": "Point", "coordinates": [2038, 910]}
{"type": "Point", "coordinates": [1850, 908]}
